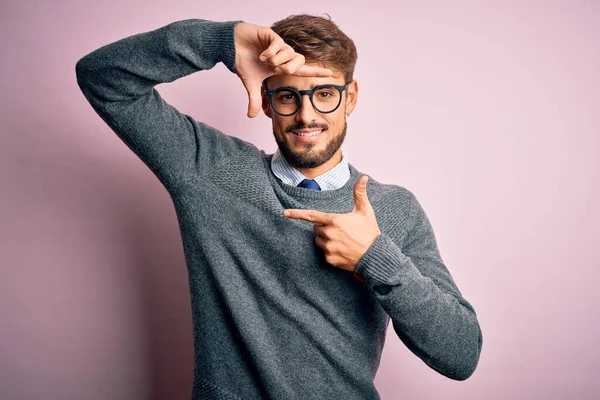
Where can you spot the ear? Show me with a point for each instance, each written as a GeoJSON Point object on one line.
{"type": "Point", "coordinates": [265, 103]}
{"type": "Point", "coordinates": [351, 96]}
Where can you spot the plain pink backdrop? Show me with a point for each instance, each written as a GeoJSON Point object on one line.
{"type": "Point", "coordinates": [487, 111]}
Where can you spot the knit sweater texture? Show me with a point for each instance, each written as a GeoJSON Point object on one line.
{"type": "Point", "coordinates": [271, 318]}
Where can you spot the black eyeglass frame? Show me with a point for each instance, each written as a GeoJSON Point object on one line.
{"type": "Point", "coordinates": [301, 94]}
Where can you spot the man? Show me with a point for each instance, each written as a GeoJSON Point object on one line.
{"type": "Point", "coordinates": [292, 306]}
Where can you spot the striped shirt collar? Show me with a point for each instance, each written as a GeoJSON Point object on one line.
{"type": "Point", "coordinates": [335, 178]}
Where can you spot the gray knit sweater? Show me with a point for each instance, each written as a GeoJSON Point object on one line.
{"type": "Point", "coordinates": [272, 320]}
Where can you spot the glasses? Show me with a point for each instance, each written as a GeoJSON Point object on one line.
{"type": "Point", "coordinates": [286, 101]}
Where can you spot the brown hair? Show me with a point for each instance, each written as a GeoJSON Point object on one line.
{"type": "Point", "coordinates": [320, 41]}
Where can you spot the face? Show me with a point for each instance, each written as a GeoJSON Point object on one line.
{"type": "Point", "coordinates": [306, 152]}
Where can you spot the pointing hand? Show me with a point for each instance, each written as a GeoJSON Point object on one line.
{"type": "Point", "coordinates": [344, 237]}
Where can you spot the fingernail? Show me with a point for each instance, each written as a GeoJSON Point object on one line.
{"type": "Point", "coordinates": [263, 58]}
{"type": "Point", "coordinates": [286, 213]}
{"type": "Point", "coordinates": [278, 70]}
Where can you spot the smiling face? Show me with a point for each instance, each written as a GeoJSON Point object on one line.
{"type": "Point", "coordinates": [320, 151]}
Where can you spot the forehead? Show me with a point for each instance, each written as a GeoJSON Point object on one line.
{"type": "Point", "coordinates": [302, 82]}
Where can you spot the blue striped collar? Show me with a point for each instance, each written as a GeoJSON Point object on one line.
{"type": "Point", "coordinates": [335, 178]}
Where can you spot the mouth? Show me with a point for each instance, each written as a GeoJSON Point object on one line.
{"type": "Point", "coordinates": [307, 135]}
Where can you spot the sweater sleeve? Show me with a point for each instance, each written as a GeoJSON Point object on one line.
{"type": "Point", "coordinates": [118, 80]}
{"type": "Point", "coordinates": [427, 310]}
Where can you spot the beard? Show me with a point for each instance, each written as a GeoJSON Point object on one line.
{"type": "Point", "coordinates": [309, 158]}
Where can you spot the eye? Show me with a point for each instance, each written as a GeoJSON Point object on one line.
{"type": "Point", "coordinates": [286, 97]}
{"type": "Point", "coordinates": [326, 93]}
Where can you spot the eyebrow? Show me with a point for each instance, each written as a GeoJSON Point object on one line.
{"type": "Point", "coordinates": [294, 87]}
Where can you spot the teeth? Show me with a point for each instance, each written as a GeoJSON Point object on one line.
{"type": "Point", "coordinates": [308, 134]}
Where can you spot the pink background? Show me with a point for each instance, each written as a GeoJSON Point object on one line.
{"type": "Point", "coordinates": [489, 113]}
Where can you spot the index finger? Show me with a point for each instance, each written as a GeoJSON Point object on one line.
{"type": "Point", "coordinates": [312, 71]}
{"type": "Point", "coordinates": [316, 216]}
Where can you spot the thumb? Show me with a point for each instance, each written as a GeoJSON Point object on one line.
{"type": "Point", "coordinates": [361, 201]}
{"type": "Point", "coordinates": [254, 98]}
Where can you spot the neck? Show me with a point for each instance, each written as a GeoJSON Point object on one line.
{"type": "Point", "coordinates": [311, 173]}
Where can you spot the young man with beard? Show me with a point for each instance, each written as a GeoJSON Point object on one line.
{"type": "Point", "coordinates": [296, 263]}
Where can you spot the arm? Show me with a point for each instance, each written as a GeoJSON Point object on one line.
{"type": "Point", "coordinates": [427, 310]}
{"type": "Point", "coordinates": [118, 80]}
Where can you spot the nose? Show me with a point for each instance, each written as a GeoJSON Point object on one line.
{"type": "Point", "coordinates": [306, 113]}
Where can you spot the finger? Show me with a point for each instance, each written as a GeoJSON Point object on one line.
{"type": "Point", "coordinates": [361, 200]}
{"type": "Point", "coordinates": [275, 46]}
{"type": "Point", "coordinates": [312, 71]}
{"type": "Point", "coordinates": [283, 56]}
{"type": "Point", "coordinates": [254, 98]}
{"type": "Point", "coordinates": [309, 215]}
{"type": "Point", "coordinates": [321, 242]}
{"type": "Point", "coordinates": [292, 65]}
{"type": "Point", "coordinates": [320, 230]}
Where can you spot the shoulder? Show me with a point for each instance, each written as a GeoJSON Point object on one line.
{"type": "Point", "coordinates": [384, 192]}
{"type": "Point", "coordinates": [387, 194]}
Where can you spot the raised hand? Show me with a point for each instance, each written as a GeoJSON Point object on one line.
{"type": "Point", "coordinates": [344, 237]}
{"type": "Point", "coordinates": [261, 53]}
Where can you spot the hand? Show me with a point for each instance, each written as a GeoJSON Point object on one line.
{"type": "Point", "coordinates": [261, 53]}
{"type": "Point", "coordinates": [344, 237]}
